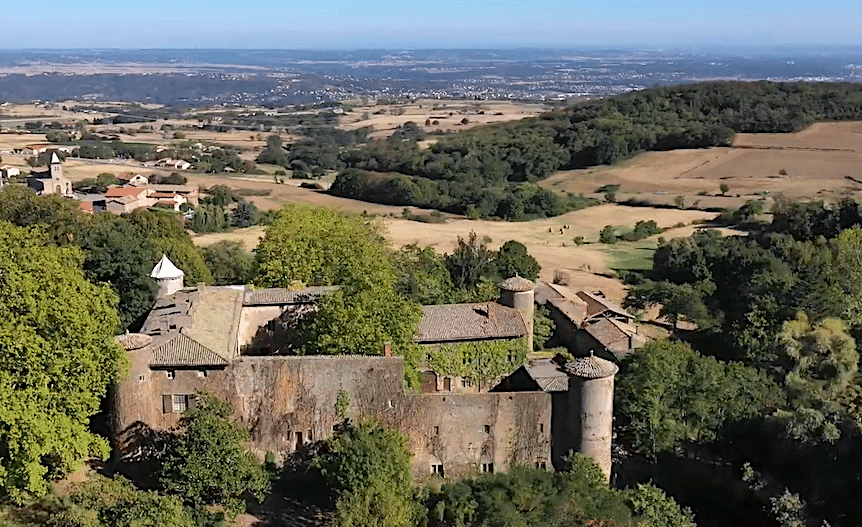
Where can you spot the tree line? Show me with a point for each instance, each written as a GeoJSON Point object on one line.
{"type": "Point", "coordinates": [477, 171]}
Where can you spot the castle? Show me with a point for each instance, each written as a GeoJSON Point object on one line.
{"type": "Point", "coordinates": [198, 338]}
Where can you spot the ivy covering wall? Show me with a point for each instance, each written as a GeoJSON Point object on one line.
{"type": "Point", "coordinates": [479, 362]}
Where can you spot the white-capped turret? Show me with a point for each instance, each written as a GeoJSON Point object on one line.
{"type": "Point", "coordinates": [168, 275]}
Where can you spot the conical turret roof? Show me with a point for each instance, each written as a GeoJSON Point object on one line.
{"type": "Point", "coordinates": [166, 270]}
{"type": "Point", "coordinates": [517, 284]}
{"type": "Point", "coordinates": [54, 159]}
{"type": "Point", "coordinates": [591, 367]}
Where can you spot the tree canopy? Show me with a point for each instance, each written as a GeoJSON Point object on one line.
{"type": "Point", "coordinates": [205, 460]}
{"type": "Point", "coordinates": [57, 359]}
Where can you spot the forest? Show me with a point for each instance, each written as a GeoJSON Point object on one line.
{"type": "Point", "coordinates": [490, 171]}
{"type": "Point", "coordinates": [764, 373]}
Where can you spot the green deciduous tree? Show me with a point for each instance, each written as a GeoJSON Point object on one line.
{"type": "Point", "coordinates": [206, 462]}
{"type": "Point", "coordinates": [102, 502]}
{"type": "Point", "coordinates": [513, 259]}
{"type": "Point", "coordinates": [57, 359]}
{"type": "Point", "coordinates": [367, 467]}
{"type": "Point", "coordinates": [608, 235]}
{"type": "Point", "coordinates": [321, 246]}
{"type": "Point", "coordinates": [118, 255]}
{"type": "Point", "coordinates": [422, 276]}
{"type": "Point", "coordinates": [229, 263]}
{"type": "Point", "coordinates": [470, 261]}
{"type": "Point", "coordinates": [670, 394]}
{"type": "Point", "coordinates": [656, 509]}
{"type": "Point", "coordinates": [165, 231]}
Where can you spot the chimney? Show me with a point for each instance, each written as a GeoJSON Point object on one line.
{"type": "Point", "coordinates": [387, 349]}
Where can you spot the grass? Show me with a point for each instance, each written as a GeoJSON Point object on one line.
{"type": "Point", "coordinates": [630, 256]}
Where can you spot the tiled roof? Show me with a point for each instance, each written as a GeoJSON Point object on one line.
{"type": "Point", "coordinates": [133, 341]}
{"type": "Point", "coordinates": [279, 296]}
{"type": "Point", "coordinates": [596, 305]}
{"type": "Point", "coordinates": [182, 351]}
{"type": "Point", "coordinates": [517, 284]}
{"type": "Point", "coordinates": [606, 332]}
{"type": "Point", "coordinates": [455, 322]}
{"type": "Point", "coordinates": [548, 376]}
{"type": "Point", "coordinates": [117, 192]}
{"type": "Point", "coordinates": [591, 367]}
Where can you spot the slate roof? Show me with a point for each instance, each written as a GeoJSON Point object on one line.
{"type": "Point", "coordinates": [591, 367]}
{"type": "Point", "coordinates": [182, 351]}
{"type": "Point", "coordinates": [280, 296]}
{"type": "Point", "coordinates": [456, 322]}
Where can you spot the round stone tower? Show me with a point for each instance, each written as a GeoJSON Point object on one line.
{"type": "Point", "coordinates": [518, 293]}
{"type": "Point", "coordinates": [591, 407]}
{"type": "Point", "coordinates": [169, 277]}
{"type": "Point", "coordinates": [129, 408]}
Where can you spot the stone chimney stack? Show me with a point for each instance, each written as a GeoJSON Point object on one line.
{"type": "Point", "coordinates": [168, 276]}
{"type": "Point", "coordinates": [519, 293]}
{"type": "Point", "coordinates": [591, 407]}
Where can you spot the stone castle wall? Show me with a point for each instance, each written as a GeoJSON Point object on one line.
{"type": "Point", "coordinates": [288, 402]}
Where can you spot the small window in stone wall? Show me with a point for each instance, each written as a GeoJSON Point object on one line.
{"type": "Point", "coordinates": [542, 465]}
{"type": "Point", "coordinates": [541, 428]}
{"type": "Point", "coordinates": [466, 383]}
{"type": "Point", "coordinates": [171, 374]}
{"type": "Point", "coordinates": [202, 373]}
{"type": "Point", "coordinates": [488, 468]}
{"type": "Point", "coordinates": [487, 429]}
{"type": "Point", "coordinates": [438, 469]}
{"type": "Point", "coordinates": [436, 430]}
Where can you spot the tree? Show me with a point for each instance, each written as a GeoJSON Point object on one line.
{"type": "Point", "coordinates": [118, 255]}
{"type": "Point", "coordinates": [543, 327]}
{"type": "Point", "coordinates": [205, 460]}
{"type": "Point", "coordinates": [57, 358]}
{"type": "Point", "coordinates": [245, 214]}
{"type": "Point", "coordinates": [513, 259]}
{"type": "Point", "coordinates": [671, 394]}
{"type": "Point", "coordinates": [422, 276]}
{"type": "Point", "coordinates": [103, 502]}
{"type": "Point", "coordinates": [607, 235]}
{"type": "Point", "coordinates": [165, 231]}
{"type": "Point", "coordinates": [61, 217]}
{"type": "Point", "coordinates": [723, 188]}
{"type": "Point", "coordinates": [229, 263]}
{"type": "Point", "coordinates": [367, 467]}
{"type": "Point", "coordinates": [321, 246]}
{"type": "Point", "coordinates": [470, 261]}
{"type": "Point", "coordinates": [656, 509]}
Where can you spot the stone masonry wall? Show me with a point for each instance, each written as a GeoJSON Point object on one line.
{"type": "Point", "coordinates": [288, 402]}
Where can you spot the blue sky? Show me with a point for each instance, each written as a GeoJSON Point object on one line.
{"type": "Point", "coordinates": [429, 23]}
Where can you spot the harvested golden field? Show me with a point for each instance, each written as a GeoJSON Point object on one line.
{"type": "Point", "coordinates": [588, 266]}
{"type": "Point", "coordinates": [815, 163]}
{"type": "Point", "coordinates": [448, 114]}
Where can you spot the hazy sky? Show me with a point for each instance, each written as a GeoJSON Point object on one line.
{"type": "Point", "coordinates": [426, 23]}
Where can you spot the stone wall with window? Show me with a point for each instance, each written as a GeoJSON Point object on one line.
{"type": "Point", "coordinates": [290, 402]}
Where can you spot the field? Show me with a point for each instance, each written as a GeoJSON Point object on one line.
{"type": "Point", "coordinates": [823, 161]}
{"type": "Point", "coordinates": [385, 119]}
{"type": "Point", "coordinates": [816, 163]}
{"type": "Point", "coordinates": [588, 266]}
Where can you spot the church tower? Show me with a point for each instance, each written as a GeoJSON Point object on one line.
{"type": "Point", "coordinates": [56, 168]}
